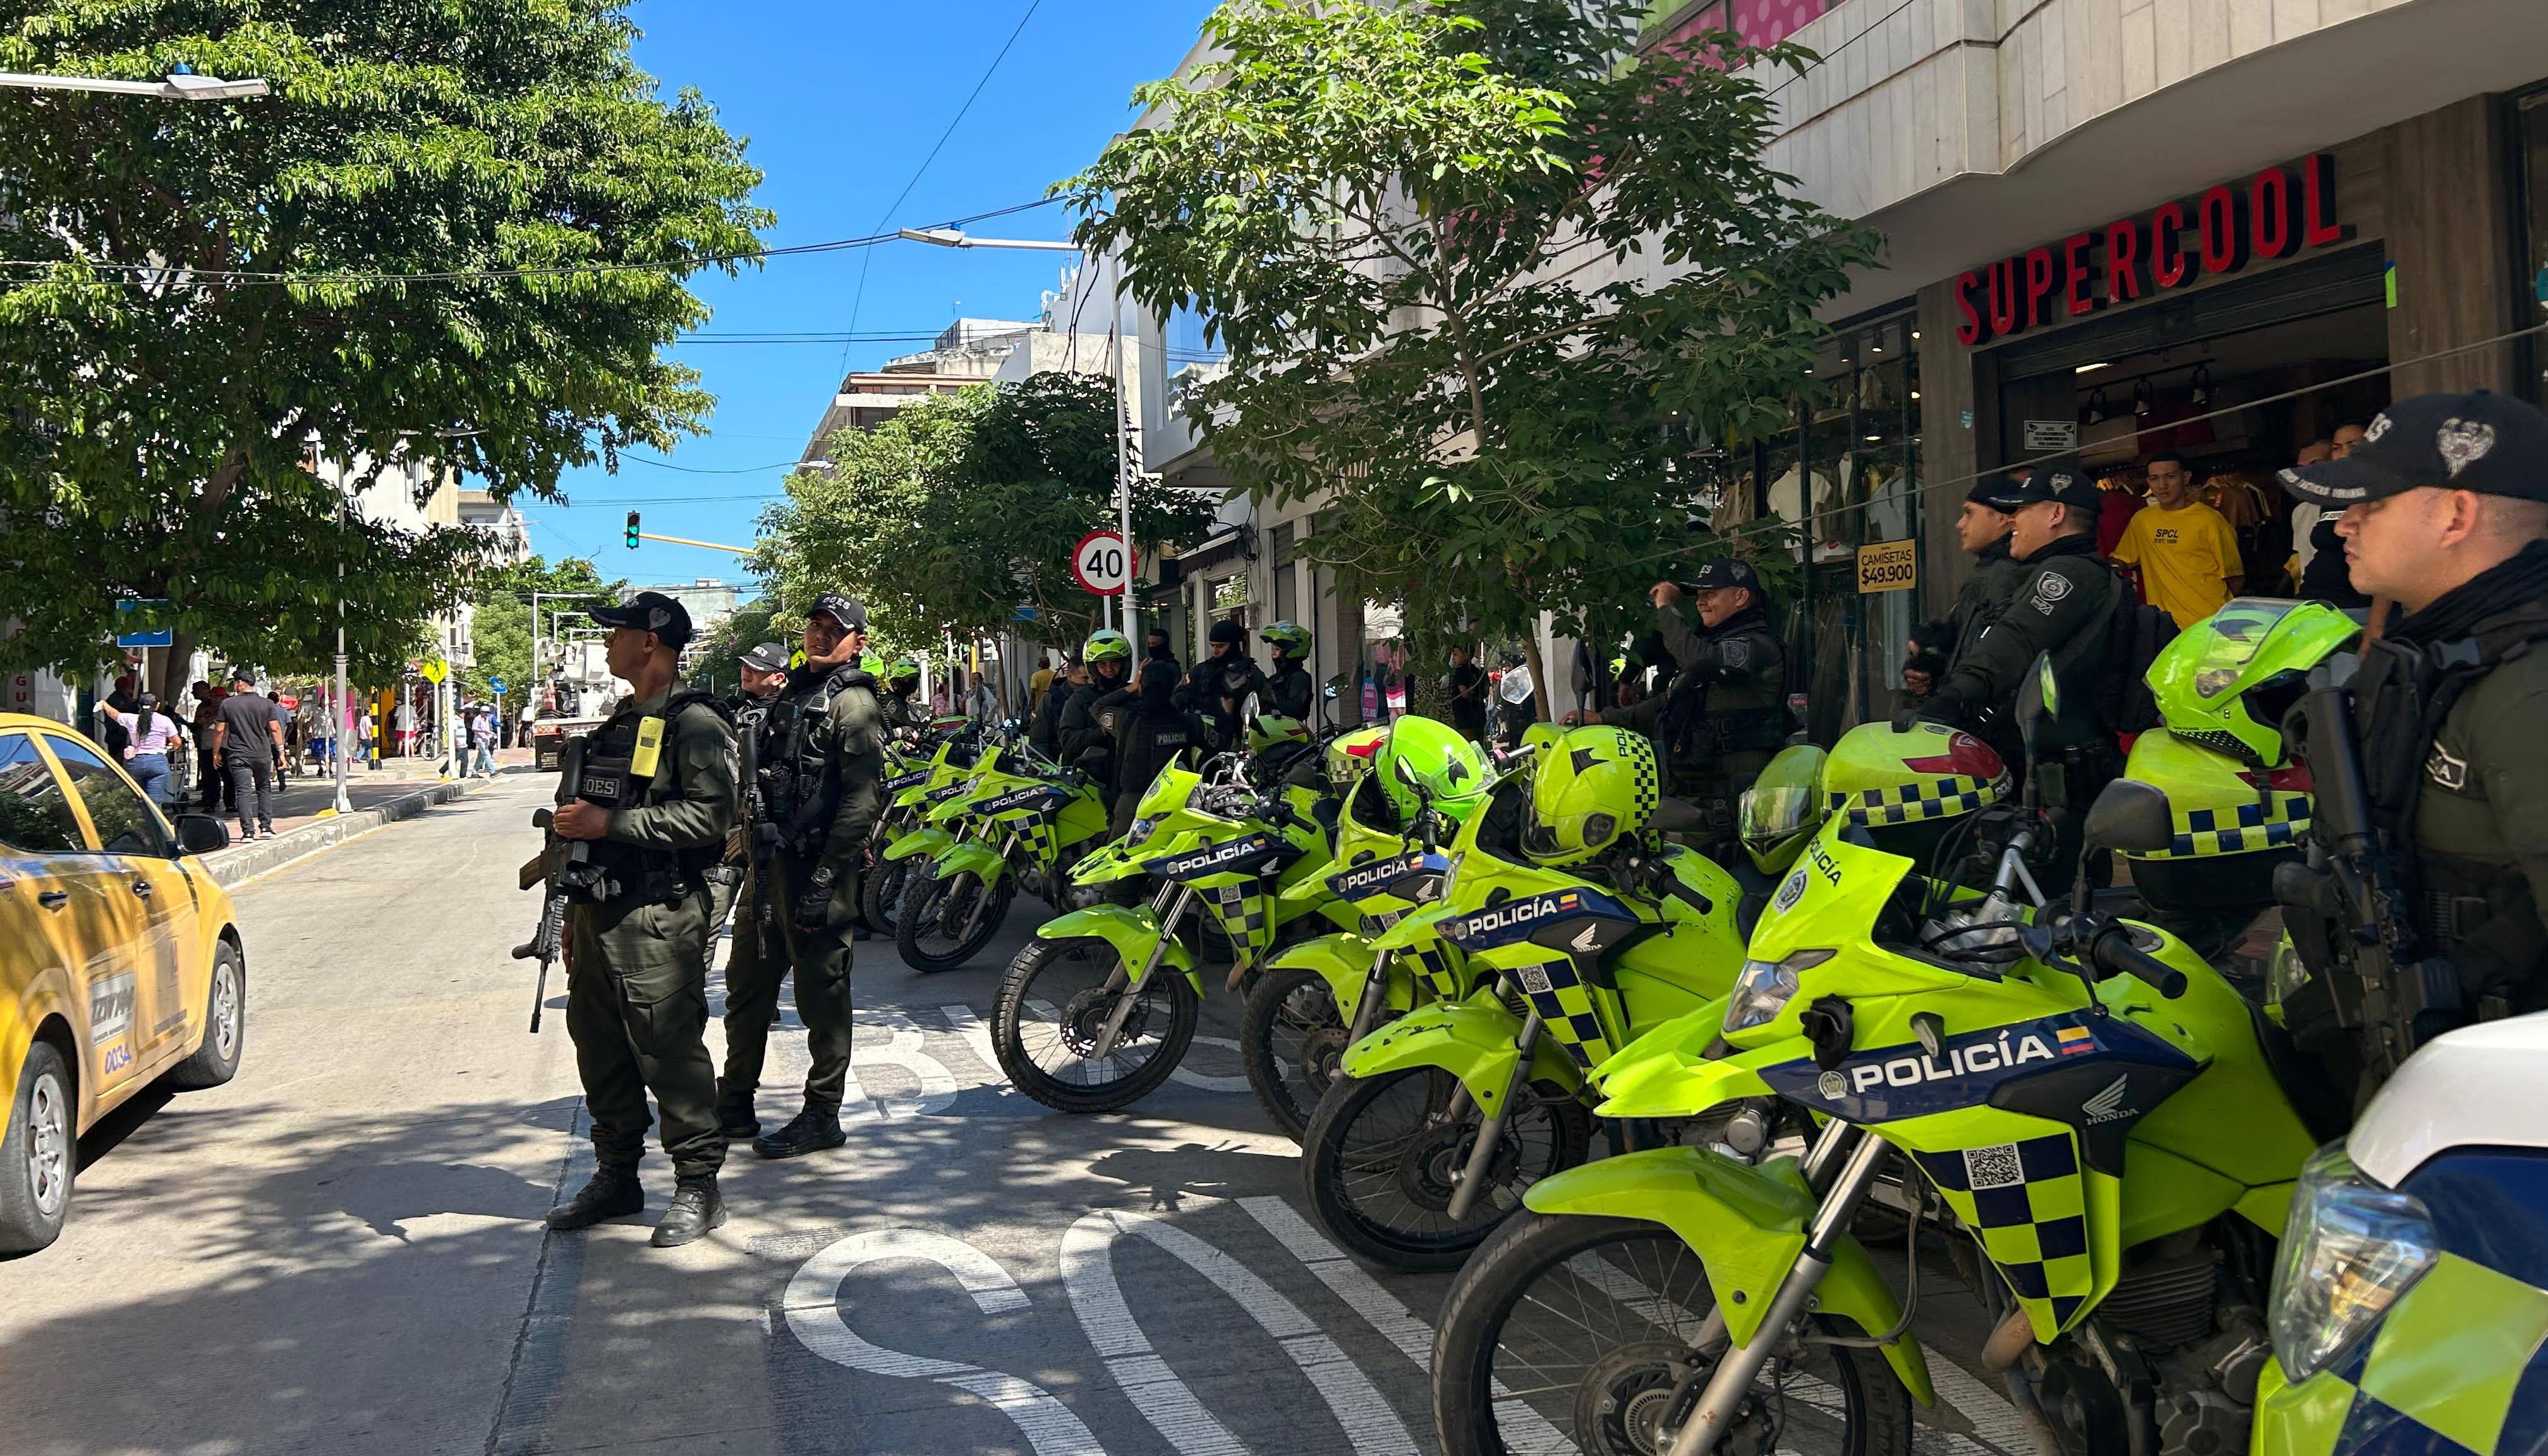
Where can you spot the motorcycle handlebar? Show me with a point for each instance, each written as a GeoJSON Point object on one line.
{"type": "Point", "coordinates": [2113, 952]}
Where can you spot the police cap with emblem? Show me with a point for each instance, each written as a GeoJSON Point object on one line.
{"type": "Point", "coordinates": [1998, 491]}
{"type": "Point", "coordinates": [2063, 482]}
{"type": "Point", "coordinates": [650, 611]}
{"type": "Point", "coordinates": [2482, 442]}
{"type": "Point", "coordinates": [849, 612]}
{"type": "Point", "coordinates": [1727, 571]}
{"type": "Point", "coordinates": [768, 657]}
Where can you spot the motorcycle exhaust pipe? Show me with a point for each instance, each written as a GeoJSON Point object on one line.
{"type": "Point", "coordinates": [1473, 1177]}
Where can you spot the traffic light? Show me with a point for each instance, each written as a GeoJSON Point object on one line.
{"type": "Point", "coordinates": [632, 530]}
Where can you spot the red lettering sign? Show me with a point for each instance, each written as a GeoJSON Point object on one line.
{"type": "Point", "coordinates": [2271, 215]}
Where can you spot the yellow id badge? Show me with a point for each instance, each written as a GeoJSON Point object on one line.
{"type": "Point", "coordinates": [650, 746]}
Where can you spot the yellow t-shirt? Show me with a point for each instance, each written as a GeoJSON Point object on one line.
{"type": "Point", "coordinates": [2185, 557]}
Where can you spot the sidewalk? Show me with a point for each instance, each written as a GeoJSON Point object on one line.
{"type": "Point", "coordinates": [304, 824]}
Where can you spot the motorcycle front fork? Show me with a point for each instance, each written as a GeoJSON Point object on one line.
{"type": "Point", "coordinates": [1170, 905]}
{"type": "Point", "coordinates": [1375, 990]}
{"type": "Point", "coordinates": [1482, 1155]}
{"type": "Point", "coordinates": [1722, 1399]}
{"type": "Point", "coordinates": [983, 901]}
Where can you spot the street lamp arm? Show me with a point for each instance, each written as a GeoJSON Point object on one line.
{"type": "Point", "coordinates": [951, 237]}
{"type": "Point", "coordinates": [174, 88]}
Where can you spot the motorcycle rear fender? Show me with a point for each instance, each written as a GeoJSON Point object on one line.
{"type": "Point", "coordinates": [1471, 1039]}
{"type": "Point", "coordinates": [931, 842]}
{"type": "Point", "coordinates": [1747, 1226]}
{"type": "Point", "coordinates": [1343, 962]}
{"type": "Point", "coordinates": [1131, 930]}
{"type": "Point", "coordinates": [986, 863]}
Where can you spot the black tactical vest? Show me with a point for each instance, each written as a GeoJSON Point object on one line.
{"type": "Point", "coordinates": [624, 762]}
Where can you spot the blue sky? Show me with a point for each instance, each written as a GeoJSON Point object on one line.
{"type": "Point", "coordinates": [840, 103]}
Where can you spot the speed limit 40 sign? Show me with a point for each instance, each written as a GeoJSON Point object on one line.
{"type": "Point", "coordinates": [1101, 563]}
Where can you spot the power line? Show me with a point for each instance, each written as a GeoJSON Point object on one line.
{"type": "Point", "coordinates": [706, 470]}
{"type": "Point", "coordinates": [144, 275]}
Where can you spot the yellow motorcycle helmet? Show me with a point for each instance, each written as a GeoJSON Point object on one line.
{"type": "Point", "coordinates": [1904, 788]}
{"type": "Point", "coordinates": [1452, 770]}
{"type": "Point", "coordinates": [1350, 754]}
{"type": "Point", "coordinates": [1593, 786]}
{"type": "Point", "coordinates": [1783, 807]}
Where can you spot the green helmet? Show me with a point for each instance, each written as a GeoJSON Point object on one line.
{"type": "Point", "coordinates": [1273, 730]}
{"type": "Point", "coordinates": [1539, 734]}
{"type": "Point", "coordinates": [1351, 756]}
{"type": "Point", "coordinates": [1452, 770]}
{"type": "Point", "coordinates": [1595, 786]}
{"type": "Point", "coordinates": [1106, 645]}
{"type": "Point", "coordinates": [1288, 638]}
{"type": "Point", "coordinates": [1879, 778]}
{"type": "Point", "coordinates": [902, 672]}
{"type": "Point", "coordinates": [2226, 681]}
{"type": "Point", "coordinates": [1783, 807]}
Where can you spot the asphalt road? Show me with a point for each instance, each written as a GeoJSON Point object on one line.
{"type": "Point", "coordinates": [341, 1252]}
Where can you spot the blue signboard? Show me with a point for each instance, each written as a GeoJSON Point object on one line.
{"type": "Point", "coordinates": [496, 685]}
{"type": "Point", "coordinates": [132, 612]}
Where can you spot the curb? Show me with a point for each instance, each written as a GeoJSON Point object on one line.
{"type": "Point", "coordinates": [241, 862]}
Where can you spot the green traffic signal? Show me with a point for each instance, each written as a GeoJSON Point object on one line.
{"type": "Point", "coordinates": [632, 530]}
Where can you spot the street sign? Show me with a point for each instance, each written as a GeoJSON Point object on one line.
{"type": "Point", "coordinates": [496, 685]}
{"type": "Point", "coordinates": [435, 669]}
{"type": "Point", "coordinates": [135, 617]}
{"type": "Point", "coordinates": [1100, 564]}
{"type": "Point", "coordinates": [1888, 566]}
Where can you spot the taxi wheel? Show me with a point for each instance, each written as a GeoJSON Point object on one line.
{"type": "Point", "coordinates": [39, 1157]}
{"type": "Point", "coordinates": [216, 1059]}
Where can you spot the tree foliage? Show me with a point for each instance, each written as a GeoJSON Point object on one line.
{"type": "Point", "coordinates": [963, 509]}
{"type": "Point", "coordinates": [207, 305]}
{"type": "Point", "coordinates": [1482, 284]}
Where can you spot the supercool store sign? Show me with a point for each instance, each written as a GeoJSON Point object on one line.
{"type": "Point", "coordinates": [2276, 214]}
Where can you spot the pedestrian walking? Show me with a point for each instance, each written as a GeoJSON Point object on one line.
{"type": "Point", "coordinates": [658, 800]}
{"type": "Point", "coordinates": [247, 740]}
{"type": "Point", "coordinates": [216, 790]}
{"type": "Point", "coordinates": [482, 735]}
{"type": "Point", "coordinates": [402, 722]}
{"type": "Point", "coordinates": [151, 740]}
{"type": "Point", "coordinates": [287, 739]}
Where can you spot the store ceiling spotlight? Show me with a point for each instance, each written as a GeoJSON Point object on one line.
{"type": "Point", "coordinates": [2096, 406]}
{"type": "Point", "coordinates": [2145, 399]}
{"type": "Point", "coordinates": [2202, 384]}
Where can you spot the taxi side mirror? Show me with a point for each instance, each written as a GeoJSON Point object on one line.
{"type": "Point", "coordinates": [201, 834]}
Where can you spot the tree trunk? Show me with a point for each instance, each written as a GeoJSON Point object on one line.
{"type": "Point", "coordinates": [1538, 671]}
{"type": "Point", "coordinates": [172, 669]}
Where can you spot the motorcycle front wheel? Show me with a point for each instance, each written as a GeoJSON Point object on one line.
{"type": "Point", "coordinates": [881, 894]}
{"type": "Point", "coordinates": [1574, 1333]}
{"type": "Point", "coordinates": [1053, 1007]}
{"type": "Point", "coordinates": [1382, 1155]}
{"type": "Point", "coordinates": [944, 920]}
{"type": "Point", "coordinates": [1291, 1036]}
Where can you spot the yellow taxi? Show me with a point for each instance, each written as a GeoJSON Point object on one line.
{"type": "Point", "coordinates": [120, 962]}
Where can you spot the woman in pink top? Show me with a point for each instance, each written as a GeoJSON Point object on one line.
{"type": "Point", "coordinates": [155, 736]}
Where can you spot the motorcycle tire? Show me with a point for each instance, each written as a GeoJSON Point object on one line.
{"type": "Point", "coordinates": [1291, 1036]}
{"type": "Point", "coordinates": [1389, 1203]}
{"type": "Point", "coordinates": [1028, 1024]}
{"type": "Point", "coordinates": [1625, 1298]}
{"type": "Point", "coordinates": [915, 930]}
{"type": "Point", "coordinates": [881, 894]}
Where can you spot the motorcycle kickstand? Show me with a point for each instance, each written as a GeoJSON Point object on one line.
{"type": "Point", "coordinates": [1473, 1177]}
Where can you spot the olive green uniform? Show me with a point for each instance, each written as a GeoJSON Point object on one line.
{"type": "Point", "coordinates": [1978, 604]}
{"type": "Point", "coordinates": [637, 966]}
{"type": "Point", "coordinates": [845, 729]}
{"type": "Point", "coordinates": [1739, 670]}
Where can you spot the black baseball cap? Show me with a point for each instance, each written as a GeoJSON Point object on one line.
{"type": "Point", "coordinates": [768, 657]}
{"type": "Point", "coordinates": [1998, 491]}
{"type": "Point", "coordinates": [849, 612]}
{"type": "Point", "coordinates": [1727, 571]}
{"type": "Point", "coordinates": [650, 611]}
{"type": "Point", "coordinates": [2484, 442]}
{"type": "Point", "coordinates": [2063, 482]}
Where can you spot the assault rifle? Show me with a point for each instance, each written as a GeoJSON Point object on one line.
{"type": "Point", "coordinates": [567, 865]}
{"type": "Point", "coordinates": [2369, 972]}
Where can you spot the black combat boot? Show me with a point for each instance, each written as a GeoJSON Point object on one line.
{"type": "Point", "coordinates": [612, 1193]}
{"type": "Point", "coordinates": [696, 1207]}
{"type": "Point", "coordinates": [810, 1130]}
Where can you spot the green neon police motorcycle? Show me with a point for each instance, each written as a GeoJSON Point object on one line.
{"type": "Point", "coordinates": [1025, 822]}
{"type": "Point", "coordinates": [2088, 1097]}
{"type": "Point", "coordinates": [1586, 930]}
{"type": "Point", "coordinates": [1101, 1007]}
{"type": "Point", "coordinates": [1408, 788]}
{"type": "Point", "coordinates": [912, 787]}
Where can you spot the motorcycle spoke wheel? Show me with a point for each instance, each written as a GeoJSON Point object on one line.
{"type": "Point", "coordinates": [1586, 1335]}
{"type": "Point", "coordinates": [931, 932]}
{"type": "Point", "coordinates": [1291, 1036]}
{"type": "Point", "coordinates": [1382, 1157]}
{"type": "Point", "coordinates": [1052, 1011]}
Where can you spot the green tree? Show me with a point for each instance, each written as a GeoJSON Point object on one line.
{"type": "Point", "coordinates": [499, 627]}
{"type": "Point", "coordinates": [210, 303]}
{"type": "Point", "coordinates": [1479, 283]}
{"type": "Point", "coordinates": [963, 509]}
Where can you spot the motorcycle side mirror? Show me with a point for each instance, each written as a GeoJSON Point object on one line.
{"type": "Point", "coordinates": [1247, 709]}
{"type": "Point", "coordinates": [2040, 699]}
{"type": "Point", "coordinates": [2131, 816]}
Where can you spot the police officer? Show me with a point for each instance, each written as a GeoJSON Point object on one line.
{"type": "Point", "coordinates": [763, 670]}
{"type": "Point", "coordinates": [2445, 511]}
{"type": "Point", "coordinates": [1982, 529]}
{"type": "Point", "coordinates": [1289, 690]}
{"type": "Point", "coordinates": [658, 796]}
{"type": "Point", "coordinates": [816, 760]}
{"type": "Point", "coordinates": [901, 705]}
{"type": "Point", "coordinates": [1149, 737]}
{"type": "Point", "coordinates": [1044, 733]}
{"type": "Point", "coordinates": [2063, 600]}
{"type": "Point", "coordinates": [1217, 686]}
{"type": "Point", "coordinates": [1089, 717]}
{"type": "Point", "coordinates": [1160, 650]}
{"type": "Point", "coordinates": [1725, 715]}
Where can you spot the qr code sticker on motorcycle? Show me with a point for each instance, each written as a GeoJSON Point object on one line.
{"type": "Point", "coordinates": [1535, 979]}
{"type": "Point", "coordinates": [1994, 1167]}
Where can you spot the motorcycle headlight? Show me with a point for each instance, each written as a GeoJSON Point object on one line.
{"type": "Point", "coordinates": [1143, 829]}
{"type": "Point", "coordinates": [1765, 988]}
{"type": "Point", "coordinates": [2350, 1249]}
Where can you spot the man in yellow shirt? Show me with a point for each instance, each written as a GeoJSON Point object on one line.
{"type": "Point", "coordinates": [2184, 551]}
